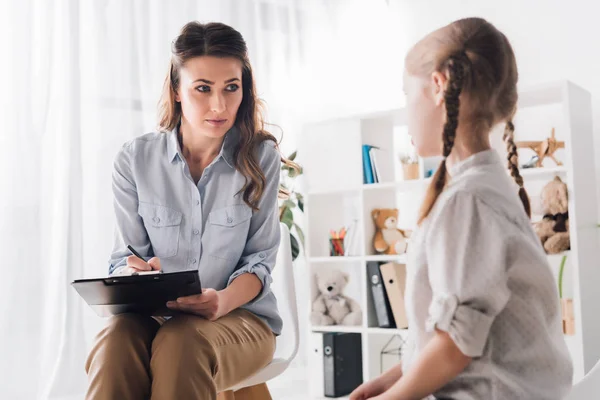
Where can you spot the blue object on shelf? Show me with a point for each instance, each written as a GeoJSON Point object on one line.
{"type": "Point", "coordinates": [367, 167]}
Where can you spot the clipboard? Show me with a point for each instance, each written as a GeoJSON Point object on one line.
{"type": "Point", "coordinates": [141, 294]}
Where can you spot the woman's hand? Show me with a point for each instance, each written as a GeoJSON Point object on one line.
{"type": "Point", "coordinates": [209, 304]}
{"type": "Point", "coordinates": [136, 264]}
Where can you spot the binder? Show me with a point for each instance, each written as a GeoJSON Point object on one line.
{"type": "Point", "coordinates": [317, 380]}
{"type": "Point", "coordinates": [380, 300]}
{"type": "Point", "coordinates": [394, 280]}
{"type": "Point", "coordinates": [342, 363]}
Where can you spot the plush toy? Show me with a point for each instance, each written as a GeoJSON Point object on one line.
{"type": "Point", "coordinates": [553, 229]}
{"type": "Point", "coordinates": [331, 307]}
{"type": "Point", "coordinates": [388, 238]}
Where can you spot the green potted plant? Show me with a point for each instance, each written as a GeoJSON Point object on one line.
{"type": "Point", "coordinates": [291, 200]}
{"type": "Point", "coordinates": [566, 305]}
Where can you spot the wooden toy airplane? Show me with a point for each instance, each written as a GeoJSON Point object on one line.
{"type": "Point", "coordinates": [544, 148]}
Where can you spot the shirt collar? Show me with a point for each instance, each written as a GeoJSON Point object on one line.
{"type": "Point", "coordinates": [173, 149]}
{"type": "Point", "coordinates": [483, 158]}
{"type": "Point", "coordinates": [227, 149]}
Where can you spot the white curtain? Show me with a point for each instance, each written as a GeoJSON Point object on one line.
{"type": "Point", "coordinates": [79, 78]}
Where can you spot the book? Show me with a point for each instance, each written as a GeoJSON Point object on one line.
{"type": "Point", "coordinates": [367, 167]}
{"type": "Point", "coordinates": [374, 166]}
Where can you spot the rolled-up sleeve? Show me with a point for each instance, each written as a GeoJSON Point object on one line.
{"type": "Point", "coordinates": [467, 266]}
{"type": "Point", "coordinates": [129, 227]}
{"type": "Point", "coordinates": [260, 251]}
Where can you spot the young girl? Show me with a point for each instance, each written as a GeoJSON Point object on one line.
{"type": "Point", "coordinates": [199, 194]}
{"type": "Point", "coordinates": [482, 305]}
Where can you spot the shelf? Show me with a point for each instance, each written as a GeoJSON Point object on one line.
{"type": "Point", "coordinates": [336, 196]}
{"type": "Point", "coordinates": [337, 328]}
{"type": "Point", "coordinates": [542, 172]}
{"type": "Point", "coordinates": [400, 258]}
{"type": "Point", "coordinates": [413, 184]}
{"type": "Point", "coordinates": [417, 184]}
{"type": "Point", "coordinates": [541, 94]}
{"type": "Point", "coordinates": [558, 257]}
{"type": "Point", "coordinates": [359, 329]}
{"type": "Point", "coordinates": [388, 331]}
{"type": "Point", "coordinates": [399, 185]}
{"type": "Point", "coordinates": [334, 259]}
{"type": "Point", "coordinates": [329, 191]}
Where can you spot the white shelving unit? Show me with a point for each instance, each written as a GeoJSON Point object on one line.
{"type": "Point", "coordinates": [337, 196]}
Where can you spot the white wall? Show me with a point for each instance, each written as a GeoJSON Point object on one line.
{"type": "Point", "coordinates": [355, 49]}
{"type": "Point", "coordinates": [353, 53]}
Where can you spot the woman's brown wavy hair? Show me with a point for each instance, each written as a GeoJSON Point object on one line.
{"type": "Point", "coordinates": [220, 40]}
{"type": "Point", "coordinates": [482, 73]}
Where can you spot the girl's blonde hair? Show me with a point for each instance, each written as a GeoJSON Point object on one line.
{"type": "Point", "coordinates": [220, 40]}
{"type": "Point", "coordinates": [482, 72]}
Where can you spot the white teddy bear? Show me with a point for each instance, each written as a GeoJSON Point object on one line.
{"type": "Point", "coordinates": [331, 307]}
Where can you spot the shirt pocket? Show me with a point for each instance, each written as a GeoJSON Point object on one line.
{"type": "Point", "coordinates": [227, 231]}
{"type": "Point", "coordinates": [163, 226]}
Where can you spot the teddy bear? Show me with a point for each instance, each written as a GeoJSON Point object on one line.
{"type": "Point", "coordinates": [388, 238]}
{"type": "Point", "coordinates": [332, 307]}
{"type": "Point", "coordinates": [553, 229]}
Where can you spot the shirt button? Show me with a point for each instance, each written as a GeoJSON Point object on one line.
{"type": "Point", "coordinates": [194, 261]}
{"type": "Point", "coordinates": [156, 219]}
{"type": "Point", "coordinates": [196, 231]}
{"type": "Point", "coordinates": [262, 255]}
{"type": "Point", "coordinates": [197, 202]}
{"type": "Point", "coordinates": [229, 220]}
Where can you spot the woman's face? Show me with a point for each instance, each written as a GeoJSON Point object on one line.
{"type": "Point", "coordinates": [426, 112]}
{"type": "Point", "coordinates": [210, 93]}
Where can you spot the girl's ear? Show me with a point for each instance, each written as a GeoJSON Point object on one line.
{"type": "Point", "coordinates": [177, 98]}
{"type": "Point", "coordinates": [439, 81]}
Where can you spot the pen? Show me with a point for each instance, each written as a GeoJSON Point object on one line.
{"type": "Point", "coordinates": [135, 253]}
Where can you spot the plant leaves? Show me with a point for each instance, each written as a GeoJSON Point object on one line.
{"type": "Point", "coordinates": [292, 156]}
{"type": "Point", "coordinates": [300, 233]}
{"type": "Point", "coordinates": [292, 173]}
{"type": "Point", "coordinates": [287, 217]}
{"type": "Point", "coordinates": [295, 247]}
{"type": "Point", "coordinates": [289, 204]}
{"type": "Point", "coordinates": [300, 200]}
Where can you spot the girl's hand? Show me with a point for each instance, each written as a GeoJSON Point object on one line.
{"type": "Point", "coordinates": [135, 264]}
{"type": "Point", "coordinates": [369, 389]}
{"type": "Point", "coordinates": [209, 304]}
{"type": "Point", "coordinates": [376, 388]}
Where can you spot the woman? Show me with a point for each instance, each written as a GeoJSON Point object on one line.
{"type": "Point", "coordinates": [201, 194]}
{"type": "Point", "coordinates": [482, 305]}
